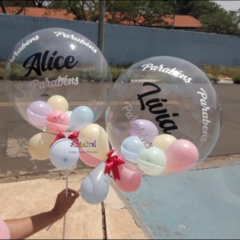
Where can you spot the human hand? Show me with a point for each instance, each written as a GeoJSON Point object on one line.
{"type": "Point", "coordinates": [63, 204]}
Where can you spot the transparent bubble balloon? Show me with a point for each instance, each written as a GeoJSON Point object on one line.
{"type": "Point", "coordinates": [171, 106]}
{"type": "Point", "coordinates": [55, 71]}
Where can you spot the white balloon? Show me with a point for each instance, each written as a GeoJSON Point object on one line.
{"type": "Point", "coordinates": [95, 186]}
{"type": "Point", "coordinates": [63, 154]}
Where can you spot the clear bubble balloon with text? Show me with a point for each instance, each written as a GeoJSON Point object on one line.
{"type": "Point", "coordinates": [165, 116]}
{"type": "Point", "coordinates": [54, 71]}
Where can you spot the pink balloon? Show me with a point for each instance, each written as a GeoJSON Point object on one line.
{"type": "Point", "coordinates": [182, 155]}
{"type": "Point", "coordinates": [88, 159]}
{"type": "Point", "coordinates": [57, 121]}
{"type": "Point", "coordinates": [130, 176]}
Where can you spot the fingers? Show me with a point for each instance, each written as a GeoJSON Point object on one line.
{"type": "Point", "coordinates": [75, 196]}
{"type": "Point", "coordinates": [72, 191]}
{"type": "Point", "coordinates": [72, 194]}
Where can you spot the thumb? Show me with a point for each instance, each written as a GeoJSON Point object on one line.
{"type": "Point", "coordinates": [75, 196]}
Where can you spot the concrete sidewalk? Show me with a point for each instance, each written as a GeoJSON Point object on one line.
{"type": "Point", "coordinates": [110, 220]}
{"type": "Point", "coordinates": [203, 204]}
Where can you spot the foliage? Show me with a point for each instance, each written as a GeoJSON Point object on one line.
{"type": "Point", "coordinates": [214, 18]}
{"type": "Point", "coordinates": [222, 71]}
{"type": "Point", "coordinates": [85, 10]}
{"type": "Point", "coordinates": [236, 79]}
{"type": "Point", "coordinates": [213, 72]}
{"type": "Point", "coordinates": [116, 72]}
{"type": "Point", "coordinates": [149, 13]}
{"type": "Point", "coordinates": [143, 13]}
{"type": "Point", "coordinates": [214, 79]}
{"type": "Point", "coordinates": [20, 5]}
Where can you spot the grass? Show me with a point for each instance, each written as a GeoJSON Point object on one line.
{"type": "Point", "coordinates": [236, 79]}
{"type": "Point", "coordinates": [222, 71]}
{"type": "Point", "coordinates": [17, 72]}
{"type": "Point", "coordinates": [116, 72]}
{"type": "Point", "coordinates": [214, 79]}
{"type": "Point", "coordinates": [213, 72]}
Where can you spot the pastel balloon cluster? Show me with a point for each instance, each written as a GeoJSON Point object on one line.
{"type": "Point", "coordinates": [95, 186]}
{"type": "Point", "coordinates": [167, 154]}
{"type": "Point", "coordinates": [54, 115]}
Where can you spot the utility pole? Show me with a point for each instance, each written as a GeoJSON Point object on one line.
{"type": "Point", "coordinates": [174, 14]}
{"type": "Point", "coordinates": [101, 24]}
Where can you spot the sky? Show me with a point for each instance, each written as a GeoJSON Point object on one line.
{"type": "Point", "coordinates": [229, 5]}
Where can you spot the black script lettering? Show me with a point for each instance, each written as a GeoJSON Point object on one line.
{"type": "Point", "coordinates": [39, 63]}
{"type": "Point", "coordinates": [50, 62]}
{"type": "Point", "coordinates": [68, 60]}
{"type": "Point", "coordinates": [151, 106]}
{"type": "Point", "coordinates": [44, 60]}
{"type": "Point", "coordinates": [36, 59]}
{"type": "Point", "coordinates": [57, 65]}
{"type": "Point", "coordinates": [166, 129]}
{"type": "Point", "coordinates": [141, 96]}
{"type": "Point", "coordinates": [156, 107]}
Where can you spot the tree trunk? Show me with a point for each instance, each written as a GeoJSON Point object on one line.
{"type": "Point", "coordinates": [3, 7]}
{"type": "Point", "coordinates": [20, 10]}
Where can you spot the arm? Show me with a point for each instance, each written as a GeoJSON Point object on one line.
{"type": "Point", "coordinates": [25, 227]}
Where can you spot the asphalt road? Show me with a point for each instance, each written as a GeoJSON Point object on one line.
{"type": "Point", "coordinates": [15, 132]}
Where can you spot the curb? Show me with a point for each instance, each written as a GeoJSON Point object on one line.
{"type": "Point", "coordinates": [223, 82]}
{"type": "Point", "coordinates": [139, 222]}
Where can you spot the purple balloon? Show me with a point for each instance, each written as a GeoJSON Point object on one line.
{"type": "Point", "coordinates": [144, 129]}
{"type": "Point", "coordinates": [37, 113]}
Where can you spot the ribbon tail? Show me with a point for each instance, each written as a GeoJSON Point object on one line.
{"type": "Point", "coordinates": [108, 168]}
{"type": "Point", "coordinates": [115, 172]}
{"type": "Point", "coordinates": [109, 154]}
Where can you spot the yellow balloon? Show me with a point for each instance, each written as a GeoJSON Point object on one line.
{"type": "Point", "coordinates": [58, 102]}
{"type": "Point", "coordinates": [93, 139]}
{"type": "Point", "coordinates": [39, 145]}
{"type": "Point", "coordinates": [163, 141]}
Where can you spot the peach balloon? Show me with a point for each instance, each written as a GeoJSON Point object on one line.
{"type": "Point", "coordinates": [163, 141]}
{"type": "Point", "coordinates": [131, 178]}
{"type": "Point", "coordinates": [88, 159]}
{"type": "Point", "coordinates": [94, 139]}
{"type": "Point", "coordinates": [57, 121]}
{"type": "Point", "coordinates": [58, 102]}
{"type": "Point", "coordinates": [39, 145]}
{"type": "Point", "coordinates": [182, 155]}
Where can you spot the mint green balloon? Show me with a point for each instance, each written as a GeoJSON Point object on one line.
{"type": "Point", "coordinates": [152, 161]}
{"type": "Point", "coordinates": [69, 113]}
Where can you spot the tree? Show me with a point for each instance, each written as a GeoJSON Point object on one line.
{"type": "Point", "coordinates": [151, 13]}
{"type": "Point", "coordinates": [143, 13]}
{"type": "Point", "coordinates": [20, 5]}
{"type": "Point", "coordinates": [213, 17]}
{"type": "Point", "coordinates": [221, 22]}
{"type": "Point", "coordinates": [85, 10]}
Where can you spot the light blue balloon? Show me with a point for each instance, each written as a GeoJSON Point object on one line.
{"type": "Point", "coordinates": [131, 147]}
{"type": "Point", "coordinates": [95, 186]}
{"type": "Point", "coordinates": [107, 116]}
{"type": "Point", "coordinates": [80, 117]}
{"type": "Point", "coordinates": [64, 155]}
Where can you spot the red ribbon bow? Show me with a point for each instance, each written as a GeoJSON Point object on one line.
{"type": "Point", "coordinates": [111, 165]}
{"type": "Point", "coordinates": [73, 136]}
